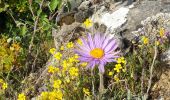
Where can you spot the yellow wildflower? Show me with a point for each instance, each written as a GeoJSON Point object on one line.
{"type": "Point", "coordinates": [157, 43]}
{"type": "Point", "coordinates": [58, 55]}
{"type": "Point", "coordinates": [62, 47]}
{"type": "Point", "coordinates": [79, 41]}
{"type": "Point", "coordinates": [145, 40]}
{"type": "Point", "coordinates": [116, 78]}
{"type": "Point", "coordinates": [21, 96]}
{"type": "Point", "coordinates": [76, 56]}
{"type": "Point", "coordinates": [64, 64]}
{"type": "Point", "coordinates": [56, 84]}
{"type": "Point", "coordinates": [68, 80]}
{"type": "Point", "coordinates": [52, 50]}
{"type": "Point", "coordinates": [161, 32]}
{"type": "Point", "coordinates": [71, 59]}
{"type": "Point", "coordinates": [118, 67]}
{"type": "Point", "coordinates": [3, 84]}
{"type": "Point", "coordinates": [55, 95]}
{"type": "Point", "coordinates": [70, 44]}
{"type": "Point", "coordinates": [73, 71]}
{"type": "Point", "coordinates": [84, 64]}
{"type": "Point", "coordinates": [88, 23]}
{"type": "Point", "coordinates": [121, 60]}
{"type": "Point", "coordinates": [86, 91]}
{"type": "Point", "coordinates": [110, 73]}
{"type": "Point", "coordinates": [44, 96]}
{"type": "Point", "coordinates": [52, 69]}
{"type": "Point", "coordinates": [75, 88]}
{"type": "Point", "coordinates": [16, 46]}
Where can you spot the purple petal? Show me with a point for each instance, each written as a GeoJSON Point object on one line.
{"type": "Point", "coordinates": [105, 42]}
{"type": "Point", "coordinates": [108, 59]}
{"type": "Point", "coordinates": [91, 65]}
{"type": "Point", "coordinates": [82, 53]}
{"type": "Point", "coordinates": [90, 41]}
{"type": "Point", "coordinates": [96, 40]}
{"type": "Point", "coordinates": [85, 44]}
{"type": "Point", "coordinates": [113, 52]}
{"type": "Point", "coordinates": [99, 39]}
{"type": "Point", "coordinates": [111, 55]}
{"type": "Point", "coordinates": [85, 59]}
{"type": "Point", "coordinates": [110, 46]}
{"type": "Point", "coordinates": [84, 48]}
{"type": "Point", "coordinates": [113, 48]}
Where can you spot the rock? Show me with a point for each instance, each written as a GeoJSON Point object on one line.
{"type": "Point", "coordinates": [113, 21]}
{"type": "Point", "coordinates": [166, 57]}
{"type": "Point", "coordinates": [84, 5]}
{"type": "Point", "coordinates": [162, 88]}
{"type": "Point", "coordinates": [75, 3]}
{"type": "Point", "coordinates": [141, 11]}
{"type": "Point", "coordinates": [81, 16]}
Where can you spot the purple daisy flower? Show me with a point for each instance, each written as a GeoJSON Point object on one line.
{"type": "Point", "coordinates": [97, 50]}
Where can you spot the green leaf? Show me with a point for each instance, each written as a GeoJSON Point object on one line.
{"type": "Point", "coordinates": [39, 12]}
{"type": "Point", "coordinates": [54, 4]}
{"type": "Point", "coordinates": [23, 30]}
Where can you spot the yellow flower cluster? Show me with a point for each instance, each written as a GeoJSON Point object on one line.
{"type": "Point", "coordinates": [52, 69]}
{"type": "Point", "coordinates": [15, 46]}
{"type": "Point", "coordinates": [62, 47]}
{"type": "Point", "coordinates": [118, 67]}
{"type": "Point", "coordinates": [58, 55]}
{"type": "Point", "coordinates": [86, 91]}
{"type": "Point", "coordinates": [67, 63]}
{"type": "Point", "coordinates": [120, 63]}
{"type": "Point", "coordinates": [84, 64]}
{"type": "Point", "coordinates": [57, 84]}
{"type": "Point", "coordinates": [73, 71]}
{"type": "Point", "coordinates": [161, 32]}
{"type": "Point", "coordinates": [3, 84]}
{"type": "Point", "coordinates": [79, 41]}
{"type": "Point", "coordinates": [21, 96]}
{"type": "Point", "coordinates": [116, 78]}
{"type": "Point", "coordinates": [121, 60]}
{"type": "Point", "coordinates": [70, 45]}
{"type": "Point", "coordinates": [53, 95]}
{"type": "Point", "coordinates": [88, 23]}
{"type": "Point", "coordinates": [52, 50]}
{"type": "Point", "coordinates": [157, 43]}
{"type": "Point", "coordinates": [73, 59]}
{"type": "Point", "coordinates": [110, 73]}
{"type": "Point", "coordinates": [63, 76]}
{"type": "Point", "coordinates": [145, 40]}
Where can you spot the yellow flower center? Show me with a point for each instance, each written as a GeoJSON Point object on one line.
{"type": "Point", "coordinates": [97, 53]}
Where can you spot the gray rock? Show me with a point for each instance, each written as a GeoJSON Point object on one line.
{"type": "Point", "coordinates": [75, 3]}
{"type": "Point", "coordinates": [141, 11]}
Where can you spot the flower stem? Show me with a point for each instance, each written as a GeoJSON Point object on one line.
{"type": "Point", "coordinates": [101, 86]}
{"type": "Point", "coordinates": [93, 80]}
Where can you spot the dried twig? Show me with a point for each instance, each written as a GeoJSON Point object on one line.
{"type": "Point", "coordinates": [151, 74]}
{"type": "Point", "coordinates": [34, 63]}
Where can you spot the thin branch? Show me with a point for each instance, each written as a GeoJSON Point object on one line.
{"type": "Point", "coordinates": [151, 73]}
{"type": "Point", "coordinates": [35, 27]}
{"type": "Point", "coordinates": [30, 7]}
{"type": "Point", "coordinates": [51, 17]}
{"type": "Point", "coordinates": [34, 63]}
